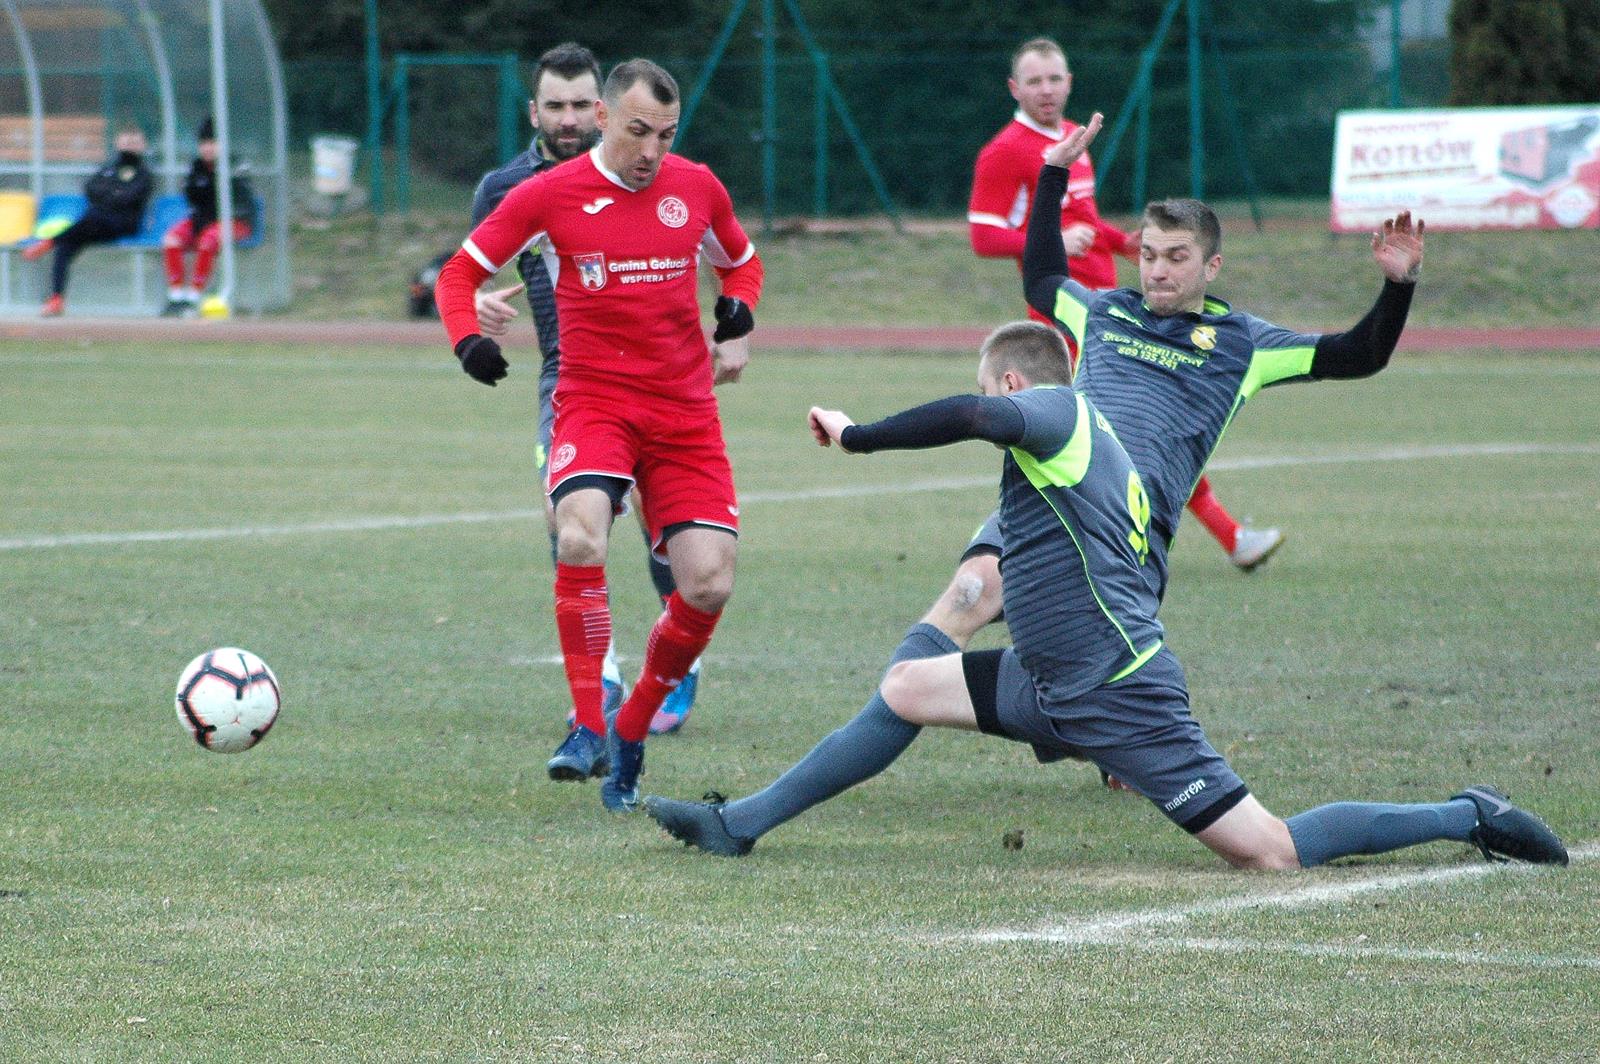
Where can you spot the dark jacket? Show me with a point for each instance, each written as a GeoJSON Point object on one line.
{"type": "Point", "coordinates": [200, 188]}
{"type": "Point", "coordinates": [121, 187]}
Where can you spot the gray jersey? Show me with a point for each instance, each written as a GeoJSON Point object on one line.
{"type": "Point", "coordinates": [1172, 384]}
{"type": "Point", "coordinates": [1075, 519]}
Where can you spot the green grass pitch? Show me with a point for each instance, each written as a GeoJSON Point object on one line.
{"type": "Point", "coordinates": [389, 876]}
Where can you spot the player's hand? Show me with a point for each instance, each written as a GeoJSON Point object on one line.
{"type": "Point", "coordinates": [1397, 247]}
{"type": "Point", "coordinates": [1069, 148]}
{"type": "Point", "coordinates": [1077, 238]}
{"type": "Point", "coordinates": [1131, 246]}
{"type": "Point", "coordinates": [495, 310]}
{"type": "Point", "coordinates": [481, 359]}
{"type": "Point", "coordinates": [728, 360]}
{"type": "Point", "coordinates": [827, 426]}
{"type": "Point", "coordinates": [734, 319]}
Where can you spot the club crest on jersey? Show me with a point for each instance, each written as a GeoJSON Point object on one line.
{"type": "Point", "coordinates": [673, 212]}
{"type": "Point", "coordinates": [591, 270]}
{"type": "Point", "coordinates": [1204, 337]}
{"type": "Point", "coordinates": [563, 457]}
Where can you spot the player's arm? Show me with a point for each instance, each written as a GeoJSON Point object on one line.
{"type": "Point", "coordinates": [731, 254]}
{"type": "Point", "coordinates": [506, 232]}
{"type": "Point", "coordinates": [1365, 349]}
{"type": "Point", "coordinates": [1044, 258]}
{"type": "Point", "coordinates": [943, 421]}
{"type": "Point", "coordinates": [995, 187]}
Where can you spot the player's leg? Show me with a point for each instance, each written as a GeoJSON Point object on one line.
{"type": "Point", "coordinates": [593, 453]}
{"type": "Point", "coordinates": [1248, 548]}
{"type": "Point", "coordinates": [692, 510]}
{"type": "Point", "coordinates": [852, 754]}
{"type": "Point", "coordinates": [932, 692]}
{"type": "Point", "coordinates": [1159, 750]}
{"type": "Point", "coordinates": [675, 708]}
{"type": "Point", "coordinates": [549, 376]}
{"type": "Point", "coordinates": [972, 598]}
{"type": "Point", "coordinates": [1480, 815]}
{"type": "Point", "coordinates": [702, 564]}
{"type": "Point", "coordinates": [1250, 837]}
{"type": "Point", "coordinates": [584, 512]}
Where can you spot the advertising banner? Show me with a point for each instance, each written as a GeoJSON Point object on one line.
{"type": "Point", "coordinates": [1469, 168]}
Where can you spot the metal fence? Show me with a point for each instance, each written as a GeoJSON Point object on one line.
{"type": "Point", "coordinates": [1268, 117]}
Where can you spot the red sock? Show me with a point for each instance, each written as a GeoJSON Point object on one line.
{"type": "Point", "coordinates": [1204, 505]}
{"type": "Point", "coordinates": [678, 638]}
{"type": "Point", "coordinates": [583, 621]}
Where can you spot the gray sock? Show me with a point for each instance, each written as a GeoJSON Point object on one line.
{"type": "Point", "coordinates": [1343, 828]}
{"type": "Point", "coordinates": [856, 752]}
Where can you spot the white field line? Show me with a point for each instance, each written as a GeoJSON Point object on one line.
{"type": "Point", "coordinates": [1357, 952]}
{"type": "Point", "coordinates": [1116, 928]}
{"type": "Point", "coordinates": [396, 521]}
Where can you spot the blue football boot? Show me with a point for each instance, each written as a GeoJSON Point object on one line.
{"type": "Point", "coordinates": [581, 754]}
{"type": "Point", "coordinates": [619, 791]}
{"type": "Point", "coordinates": [676, 706]}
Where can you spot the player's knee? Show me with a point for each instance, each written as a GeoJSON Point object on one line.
{"type": "Point", "coordinates": [1265, 851]}
{"type": "Point", "coordinates": [577, 544]}
{"type": "Point", "coordinates": [901, 690]}
{"type": "Point", "coordinates": [707, 590]}
{"type": "Point", "coordinates": [1265, 860]}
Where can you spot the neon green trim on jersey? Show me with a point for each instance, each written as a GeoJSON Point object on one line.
{"type": "Point", "coordinates": [1067, 466]}
{"type": "Point", "coordinates": [1064, 469]}
{"type": "Point", "coordinates": [1137, 663]}
{"type": "Point", "coordinates": [1117, 312]}
{"type": "Point", "coordinates": [1270, 365]}
{"type": "Point", "coordinates": [538, 455]}
{"type": "Point", "coordinates": [1072, 313]}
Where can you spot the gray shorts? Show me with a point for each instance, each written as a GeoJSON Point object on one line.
{"type": "Point", "coordinates": [986, 540]}
{"type": "Point", "coordinates": [549, 373]}
{"type": "Point", "coordinates": [1138, 729]}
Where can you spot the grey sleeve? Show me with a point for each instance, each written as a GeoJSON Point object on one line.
{"type": "Point", "coordinates": [1049, 416]}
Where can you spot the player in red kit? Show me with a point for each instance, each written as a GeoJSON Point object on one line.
{"type": "Point", "coordinates": [1004, 180]}
{"type": "Point", "coordinates": [627, 222]}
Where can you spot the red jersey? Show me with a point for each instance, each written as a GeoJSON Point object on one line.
{"type": "Point", "coordinates": [1003, 184]}
{"type": "Point", "coordinates": [626, 283]}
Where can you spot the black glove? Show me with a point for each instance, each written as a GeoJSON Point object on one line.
{"type": "Point", "coordinates": [480, 357]}
{"type": "Point", "coordinates": [733, 319]}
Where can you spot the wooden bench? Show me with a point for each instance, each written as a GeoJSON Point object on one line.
{"type": "Point", "coordinates": [67, 138]}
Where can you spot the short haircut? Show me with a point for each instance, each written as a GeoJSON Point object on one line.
{"type": "Point", "coordinates": [1036, 46]}
{"type": "Point", "coordinates": [1190, 216]}
{"type": "Point", "coordinates": [625, 76]}
{"type": "Point", "coordinates": [1032, 348]}
{"type": "Point", "coordinates": [568, 60]}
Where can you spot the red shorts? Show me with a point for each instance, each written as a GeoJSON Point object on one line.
{"type": "Point", "coordinates": [673, 452]}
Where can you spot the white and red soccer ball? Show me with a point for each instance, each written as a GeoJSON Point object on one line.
{"type": "Point", "coordinates": [228, 699]}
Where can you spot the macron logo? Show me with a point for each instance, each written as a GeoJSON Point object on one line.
{"type": "Point", "coordinates": [598, 205]}
{"type": "Point", "coordinates": [1184, 795]}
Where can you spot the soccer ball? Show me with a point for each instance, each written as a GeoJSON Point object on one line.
{"type": "Point", "coordinates": [228, 699]}
{"type": "Point", "coordinates": [215, 307]}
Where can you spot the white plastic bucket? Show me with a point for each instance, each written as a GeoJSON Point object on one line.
{"type": "Point", "coordinates": [333, 165]}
